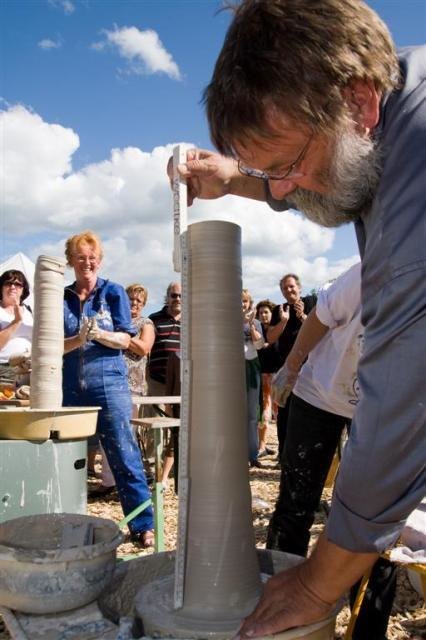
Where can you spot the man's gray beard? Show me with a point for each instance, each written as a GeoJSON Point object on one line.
{"type": "Point", "coordinates": [353, 178]}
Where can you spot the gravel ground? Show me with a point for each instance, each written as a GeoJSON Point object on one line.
{"type": "Point", "coordinates": [408, 620]}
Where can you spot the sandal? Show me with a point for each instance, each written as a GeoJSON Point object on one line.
{"type": "Point", "coordinates": [145, 539]}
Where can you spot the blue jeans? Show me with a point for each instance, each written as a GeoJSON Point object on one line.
{"type": "Point", "coordinates": [104, 383]}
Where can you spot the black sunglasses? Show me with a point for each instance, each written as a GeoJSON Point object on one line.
{"type": "Point", "coordinates": [175, 295]}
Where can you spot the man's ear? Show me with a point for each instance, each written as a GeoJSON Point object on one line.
{"type": "Point", "coordinates": [363, 101]}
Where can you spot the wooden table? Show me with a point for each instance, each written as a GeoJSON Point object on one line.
{"type": "Point", "coordinates": [14, 402]}
{"type": "Point", "coordinates": [157, 424]}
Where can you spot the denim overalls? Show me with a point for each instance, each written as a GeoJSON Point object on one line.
{"type": "Point", "coordinates": [97, 375]}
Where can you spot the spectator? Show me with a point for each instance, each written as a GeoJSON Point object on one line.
{"type": "Point", "coordinates": [322, 405]}
{"type": "Point", "coordinates": [285, 324]}
{"type": "Point", "coordinates": [252, 341]}
{"type": "Point", "coordinates": [98, 329]}
{"type": "Point", "coordinates": [136, 357]}
{"type": "Point", "coordinates": [141, 344]}
{"type": "Point", "coordinates": [167, 341]}
{"type": "Point", "coordinates": [16, 324]}
{"type": "Point", "coordinates": [269, 364]}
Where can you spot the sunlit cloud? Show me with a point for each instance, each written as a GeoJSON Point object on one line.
{"type": "Point", "coordinates": [143, 51]}
{"type": "Point", "coordinates": [126, 199]}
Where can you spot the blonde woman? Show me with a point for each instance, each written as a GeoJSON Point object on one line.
{"type": "Point", "coordinates": [141, 344]}
{"type": "Point", "coordinates": [253, 340]}
{"type": "Point", "coordinates": [98, 329]}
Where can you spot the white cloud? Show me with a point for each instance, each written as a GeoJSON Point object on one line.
{"type": "Point", "coordinates": [48, 44]}
{"type": "Point", "coordinates": [143, 51]}
{"type": "Point", "coordinates": [66, 5]}
{"type": "Point", "coordinates": [127, 200]}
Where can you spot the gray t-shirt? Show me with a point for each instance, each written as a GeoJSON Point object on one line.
{"type": "Point", "coordinates": [382, 476]}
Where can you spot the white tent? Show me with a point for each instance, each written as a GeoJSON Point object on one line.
{"type": "Point", "coordinates": [21, 262]}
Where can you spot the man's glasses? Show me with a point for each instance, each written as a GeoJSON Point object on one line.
{"type": "Point", "coordinates": [14, 283]}
{"type": "Point", "coordinates": [175, 296]}
{"type": "Point", "coordinates": [264, 175]}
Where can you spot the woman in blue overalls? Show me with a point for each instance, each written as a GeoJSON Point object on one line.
{"type": "Point", "coordinates": [98, 328]}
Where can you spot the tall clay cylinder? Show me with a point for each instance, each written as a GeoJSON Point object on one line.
{"type": "Point", "coordinates": [48, 334]}
{"type": "Point", "coordinates": [222, 577]}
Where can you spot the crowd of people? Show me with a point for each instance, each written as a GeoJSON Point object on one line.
{"type": "Point", "coordinates": [301, 372]}
{"type": "Point", "coordinates": [112, 351]}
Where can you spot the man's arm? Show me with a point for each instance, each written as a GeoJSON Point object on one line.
{"type": "Point", "coordinates": [311, 333]}
{"type": "Point", "coordinates": [210, 175]}
{"type": "Point", "coordinates": [308, 592]}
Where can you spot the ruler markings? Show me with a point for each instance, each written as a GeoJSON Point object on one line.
{"type": "Point", "coordinates": [181, 261]}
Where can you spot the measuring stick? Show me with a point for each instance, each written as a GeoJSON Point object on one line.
{"type": "Point", "coordinates": [180, 263]}
{"type": "Point", "coordinates": [180, 217]}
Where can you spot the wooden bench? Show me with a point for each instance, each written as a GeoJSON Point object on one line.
{"type": "Point", "coordinates": [157, 424]}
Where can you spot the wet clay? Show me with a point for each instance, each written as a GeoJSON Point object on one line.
{"type": "Point", "coordinates": [221, 567]}
{"type": "Point", "coordinates": [48, 334]}
{"type": "Point", "coordinates": [55, 562]}
{"type": "Point", "coordinates": [133, 579]}
{"type": "Point", "coordinates": [222, 577]}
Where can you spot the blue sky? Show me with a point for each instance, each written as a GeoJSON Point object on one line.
{"type": "Point", "coordinates": [88, 125]}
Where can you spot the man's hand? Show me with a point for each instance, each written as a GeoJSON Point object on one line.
{"type": "Point", "coordinates": [308, 592]}
{"type": "Point", "coordinates": [286, 602]}
{"type": "Point", "coordinates": [284, 312]}
{"type": "Point", "coordinates": [299, 308]}
{"type": "Point", "coordinates": [208, 174]}
{"type": "Point", "coordinates": [283, 383]}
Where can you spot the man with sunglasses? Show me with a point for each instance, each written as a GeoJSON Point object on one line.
{"type": "Point", "coordinates": [311, 107]}
{"type": "Point", "coordinates": [167, 342]}
{"type": "Point", "coordinates": [167, 339]}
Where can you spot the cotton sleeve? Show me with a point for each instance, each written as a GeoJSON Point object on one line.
{"type": "Point", "coordinates": [339, 302]}
{"type": "Point", "coordinates": [119, 306]}
{"type": "Point", "coordinates": [382, 476]}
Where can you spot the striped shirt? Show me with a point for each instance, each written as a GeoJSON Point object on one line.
{"type": "Point", "coordinates": [167, 341]}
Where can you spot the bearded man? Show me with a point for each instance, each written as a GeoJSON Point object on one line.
{"type": "Point", "coordinates": [311, 107]}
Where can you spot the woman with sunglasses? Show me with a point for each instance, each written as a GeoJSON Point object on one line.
{"type": "Point", "coordinates": [16, 322]}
